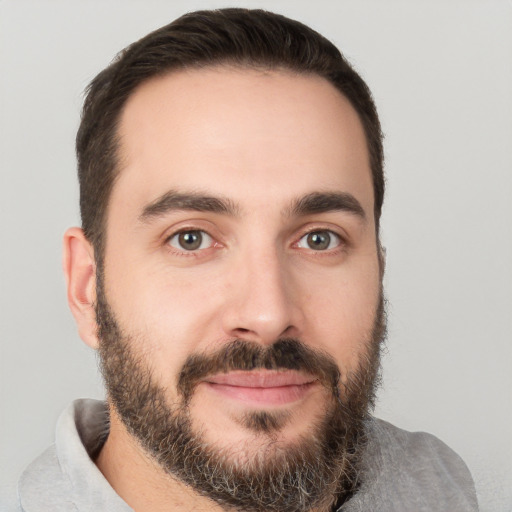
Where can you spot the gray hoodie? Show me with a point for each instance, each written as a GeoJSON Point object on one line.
{"type": "Point", "coordinates": [405, 472]}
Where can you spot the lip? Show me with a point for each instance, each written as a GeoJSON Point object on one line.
{"type": "Point", "coordinates": [262, 388]}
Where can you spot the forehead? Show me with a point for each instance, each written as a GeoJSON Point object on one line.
{"type": "Point", "coordinates": [258, 137]}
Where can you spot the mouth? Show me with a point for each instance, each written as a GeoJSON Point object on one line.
{"type": "Point", "coordinates": [262, 388]}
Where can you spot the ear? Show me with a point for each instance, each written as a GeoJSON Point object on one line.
{"type": "Point", "coordinates": [80, 272]}
{"type": "Point", "coordinates": [382, 259]}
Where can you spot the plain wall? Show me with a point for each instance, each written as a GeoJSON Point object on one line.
{"type": "Point", "coordinates": [441, 74]}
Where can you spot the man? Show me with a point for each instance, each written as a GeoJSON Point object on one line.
{"type": "Point", "coordinates": [229, 272]}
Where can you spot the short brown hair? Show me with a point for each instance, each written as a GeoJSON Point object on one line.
{"type": "Point", "coordinates": [240, 37]}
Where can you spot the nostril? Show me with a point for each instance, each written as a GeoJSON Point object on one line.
{"type": "Point", "coordinates": [287, 330]}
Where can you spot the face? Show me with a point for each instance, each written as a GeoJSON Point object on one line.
{"type": "Point", "coordinates": [241, 280]}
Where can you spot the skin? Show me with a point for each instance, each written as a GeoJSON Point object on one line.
{"type": "Point", "coordinates": [261, 140]}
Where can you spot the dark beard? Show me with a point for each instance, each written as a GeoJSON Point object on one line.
{"type": "Point", "coordinates": [317, 470]}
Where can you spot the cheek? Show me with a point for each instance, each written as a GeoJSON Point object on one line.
{"type": "Point", "coordinates": [163, 316]}
{"type": "Point", "coordinates": [342, 315]}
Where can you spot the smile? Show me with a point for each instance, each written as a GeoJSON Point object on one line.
{"type": "Point", "coordinates": [262, 388]}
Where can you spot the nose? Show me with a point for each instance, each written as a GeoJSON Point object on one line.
{"type": "Point", "coordinates": [263, 305]}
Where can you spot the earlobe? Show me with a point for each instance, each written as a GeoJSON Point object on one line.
{"type": "Point", "coordinates": [80, 273]}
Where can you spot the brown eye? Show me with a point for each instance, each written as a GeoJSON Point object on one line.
{"type": "Point", "coordinates": [192, 240]}
{"type": "Point", "coordinates": [320, 240]}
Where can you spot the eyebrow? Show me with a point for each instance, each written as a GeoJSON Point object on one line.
{"type": "Point", "coordinates": [323, 202]}
{"type": "Point", "coordinates": [173, 200]}
{"type": "Point", "coordinates": [315, 202]}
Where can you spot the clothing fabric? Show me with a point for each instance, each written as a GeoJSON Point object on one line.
{"type": "Point", "coordinates": [405, 472]}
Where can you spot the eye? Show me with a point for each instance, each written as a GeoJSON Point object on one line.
{"type": "Point", "coordinates": [191, 240]}
{"type": "Point", "coordinates": [319, 240]}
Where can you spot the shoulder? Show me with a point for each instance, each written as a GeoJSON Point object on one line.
{"type": "Point", "coordinates": [406, 471]}
{"type": "Point", "coordinates": [418, 452]}
{"type": "Point", "coordinates": [43, 486]}
{"type": "Point", "coordinates": [65, 478]}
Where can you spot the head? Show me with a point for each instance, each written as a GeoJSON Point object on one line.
{"type": "Point", "coordinates": [229, 268]}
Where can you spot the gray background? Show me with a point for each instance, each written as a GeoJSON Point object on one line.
{"type": "Point", "coordinates": [441, 73]}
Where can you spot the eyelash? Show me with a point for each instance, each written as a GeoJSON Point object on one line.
{"type": "Point", "coordinates": [193, 252]}
{"type": "Point", "coordinates": [341, 242]}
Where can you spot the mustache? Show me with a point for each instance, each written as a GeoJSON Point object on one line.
{"type": "Point", "coordinates": [284, 354]}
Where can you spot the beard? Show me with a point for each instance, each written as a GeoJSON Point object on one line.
{"type": "Point", "coordinates": [315, 471]}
